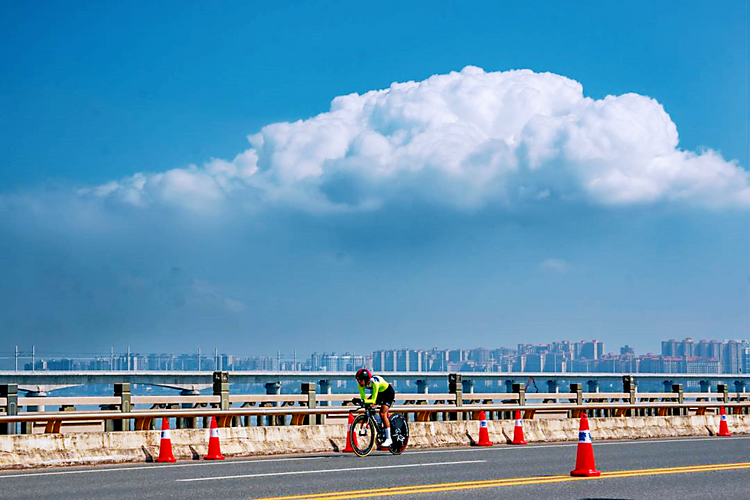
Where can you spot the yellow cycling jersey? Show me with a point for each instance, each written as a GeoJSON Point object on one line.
{"type": "Point", "coordinates": [376, 385]}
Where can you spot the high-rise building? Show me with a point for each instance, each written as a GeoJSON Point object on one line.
{"type": "Point", "coordinates": [670, 348]}
{"type": "Point", "coordinates": [565, 348]}
{"type": "Point", "coordinates": [480, 355]}
{"type": "Point", "coordinates": [670, 364]}
{"type": "Point", "coordinates": [534, 363]}
{"type": "Point", "coordinates": [555, 363]}
{"type": "Point", "coordinates": [700, 365]}
{"type": "Point", "coordinates": [714, 350]}
{"type": "Point", "coordinates": [592, 350]}
{"type": "Point", "coordinates": [731, 358]}
{"type": "Point", "coordinates": [687, 348]}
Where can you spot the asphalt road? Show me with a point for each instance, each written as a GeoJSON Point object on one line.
{"type": "Point", "coordinates": [682, 469]}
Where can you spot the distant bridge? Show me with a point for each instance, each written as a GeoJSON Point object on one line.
{"type": "Point", "coordinates": [195, 381]}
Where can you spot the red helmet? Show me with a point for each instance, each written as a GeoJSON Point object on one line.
{"type": "Point", "coordinates": [364, 375]}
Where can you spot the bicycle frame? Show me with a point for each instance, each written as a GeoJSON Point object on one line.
{"type": "Point", "coordinates": [372, 416]}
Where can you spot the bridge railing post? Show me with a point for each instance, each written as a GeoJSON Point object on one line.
{"type": "Point", "coordinates": [123, 392]}
{"type": "Point", "coordinates": [455, 386]}
{"type": "Point", "coordinates": [577, 389]}
{"type": "Point", "coordinates": [520, 390]}
{"type": "Point", "coordinates": [309, 389]}
{"type": "Point", "coordinates": [10, 393]}
{"type": "Point", "coordinates": [677, 389]}
{"type": "Point", "coordinates": [723, 389]}
{"type": "Point", "coordinates": [579, 393]}
{"type": "Point", "coordinates": [628, 386]}
{"type": "Point", "coordinates": [221, 388]}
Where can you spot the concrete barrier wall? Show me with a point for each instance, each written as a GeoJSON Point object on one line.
{"type": "Point", "coordinates": [107, 447]}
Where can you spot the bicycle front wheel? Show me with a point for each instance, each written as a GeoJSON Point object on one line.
{"type": "Point", "coordinates": [362, 435]}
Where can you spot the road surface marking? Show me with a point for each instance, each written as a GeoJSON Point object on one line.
{"type": "Point", "coordinates": [494, 483]}
{"type": "Point", "coordinates": [324, 471]}
{"type": "Point", "coordinates": [459, 450]}
{"type": "Point", "coordinates": [571, 444]}
{"type": "Point", "coordinates": [157, 467]}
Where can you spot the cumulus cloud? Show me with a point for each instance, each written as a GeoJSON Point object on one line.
{"type": "Point", "coordinates": [463, 140]}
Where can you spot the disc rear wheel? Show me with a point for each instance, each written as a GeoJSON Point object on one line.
{"type": "Point", "coordinates": [362, 435]}
{"type": "Point", "coordinates": [399, 434]}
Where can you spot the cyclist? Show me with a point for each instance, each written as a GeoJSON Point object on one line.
{"type": "Point", "coordinates": [382, 394]}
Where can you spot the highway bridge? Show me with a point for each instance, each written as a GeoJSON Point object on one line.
{"type": "Point", "coordinates": [695, 467]}
{"type": "Point", "coordinates": [691, 468]}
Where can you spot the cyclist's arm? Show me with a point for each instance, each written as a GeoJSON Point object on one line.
{"type": "Point", "coordinates": [374, 396]}
{"type": "Point", "coordinates": [377, 385]}
{"type": "Point", "coordinates": [362, 393]}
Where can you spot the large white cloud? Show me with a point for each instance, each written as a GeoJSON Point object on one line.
{"type": "Point", "coordinates": [466, 139]}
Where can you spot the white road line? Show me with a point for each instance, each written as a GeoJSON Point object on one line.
{"type": "Point", "coordinates": [571, 444]}
{"type": "Point", "coordinates": [158, 467]}
{"type": "Point", "coordinates": [502, 447]}
{"type": "Point", "coordinates": [323, 471]}
{"type": "Point", "coordinates": [674, 440]}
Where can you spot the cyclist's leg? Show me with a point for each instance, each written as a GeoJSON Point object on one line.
{"type": "Point", "coordinates": [386, 399]}
{"type": "Point", "coordinates": [386, 425]}
{"type": "Point", "coordinates": [384, 415]}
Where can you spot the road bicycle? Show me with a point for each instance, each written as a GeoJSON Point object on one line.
{"type": "Point", "coordinates": [367, 430]}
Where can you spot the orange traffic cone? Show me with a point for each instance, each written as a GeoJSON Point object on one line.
{"type": "Point", "coordinates": [723, 427]}
{"type": "Point", "coordinates": [484, 433]}
{"type": "Point", "coordinates": [585, 464]}
{"type": "Point", "coordinates": [165, 446]}
{"type": "Point", "coordinates": [214, 447]}
{"type": "Point", "coordinates": [348, 448]}
{"type": "Point", "coordinates": [518, 430]}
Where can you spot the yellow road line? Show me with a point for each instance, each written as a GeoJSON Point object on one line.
{"type": "Point", "coordinates": [495, 483]}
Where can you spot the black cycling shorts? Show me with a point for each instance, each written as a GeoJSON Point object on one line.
{"type": "Point", "coordinates": [387, 397]}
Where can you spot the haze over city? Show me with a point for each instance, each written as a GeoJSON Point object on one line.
{"type": "Point", "coordinates": [213, 181]}
{"type": "Point", "coordinates": [676, 356]}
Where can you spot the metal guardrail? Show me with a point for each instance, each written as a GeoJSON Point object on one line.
{"type": "Point", "coordinates": [119, 410]}
{"type": "Point", "coordinates": [345, 410]}
{"type": "Point", "coordinates": [144, 418]}
{"type": "Point", "coordinates": [302, 415]}
{"type": "Point", "coordinates": [287, 399]}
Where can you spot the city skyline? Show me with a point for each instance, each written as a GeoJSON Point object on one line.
{"type": "Point", "coordinates": [683, 356]}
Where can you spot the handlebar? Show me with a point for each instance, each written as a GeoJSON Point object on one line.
{"type": "Point", "coordinates": [362, 404]}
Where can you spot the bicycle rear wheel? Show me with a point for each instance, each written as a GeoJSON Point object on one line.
{"type": "Point", "coordinates": [362, 435]}
{"type": "Point", "coordinates": [399, 434]}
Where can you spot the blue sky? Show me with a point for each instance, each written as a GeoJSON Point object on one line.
{"type": "Point", "coordinates": [474, 207]}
